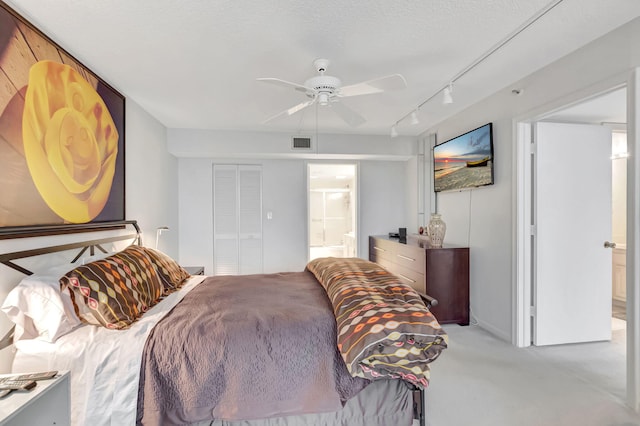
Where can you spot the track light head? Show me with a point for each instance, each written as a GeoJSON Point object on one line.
{"type": "Point", "coordinates": [414, 118]}
{"type": "Point", "coordinates": [394, 131]}
{"type": "Point", "coordinates": [447, 97]}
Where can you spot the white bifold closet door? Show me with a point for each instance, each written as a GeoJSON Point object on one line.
{"type": "Point", "coordinates": [237, 219]}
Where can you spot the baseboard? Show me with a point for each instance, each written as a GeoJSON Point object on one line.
{"type": "Point", "coordinates": [494, 330]}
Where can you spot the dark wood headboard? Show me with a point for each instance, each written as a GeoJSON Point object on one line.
{"type": "Point", "coordinates": [8, 258]}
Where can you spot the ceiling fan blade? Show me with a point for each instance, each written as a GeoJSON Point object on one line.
{"type": "Point", "coordinates": [349, 116]}
{"type": "Point", "coordinates": [284, 83]}
{"type": "Point", "coordinates": [389, 82]}
{"type": "Point", "coordinates": [290, 111]}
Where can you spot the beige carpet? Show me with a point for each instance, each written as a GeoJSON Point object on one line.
{"type": "Point", "coordinates": [483, 381]}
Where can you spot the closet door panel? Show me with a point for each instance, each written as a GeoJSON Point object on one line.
{"type": "Point", "coordinates": [250, 201]}
{"type": "Point", "coordinates": [225, 220]}
{"type": "Point", "coordinates": [251, 258]}
{"type": "Point", "coordinates": [226, 256]}
{"type": "Point", "coordinates": [250, 219]}
{"type": "Point", "coordinates": [237, 219]}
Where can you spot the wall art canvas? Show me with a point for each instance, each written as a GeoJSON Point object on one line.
{"type": "Point", "coordinates": [61, 134]}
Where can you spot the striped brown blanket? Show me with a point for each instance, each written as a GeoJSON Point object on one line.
{"type": "Point", "coordinates": [384, 329]}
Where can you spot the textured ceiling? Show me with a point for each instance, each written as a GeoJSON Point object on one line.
{"type": "Point", "coordinates": [194, 64]}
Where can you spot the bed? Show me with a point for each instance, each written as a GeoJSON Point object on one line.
{"type": "Point", "coordinates": [234, 350]}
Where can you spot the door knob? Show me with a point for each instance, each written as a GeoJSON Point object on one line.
{"type": "Point", "coordinates": [607, 244]}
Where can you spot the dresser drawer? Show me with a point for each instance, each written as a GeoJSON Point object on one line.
{"type": "Point", "coordinates": [381, 249]}
{"type": "Point", "coordinates": [410, 277]}
{"type": "Point", "coordinates": [387, 264]}
{"type": "Point", "coordinates": [442, 273]}
{"type": "Point", "coordinates": [410, 257]}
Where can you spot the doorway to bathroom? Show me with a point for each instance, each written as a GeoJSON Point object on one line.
{"type": "Point", "coordinates": [332, 210]}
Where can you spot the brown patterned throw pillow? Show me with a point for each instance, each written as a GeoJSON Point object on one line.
{"type": "Point", "coordinates": [172, 275]}
{"type": "Point", "coordinates": [115, 291]}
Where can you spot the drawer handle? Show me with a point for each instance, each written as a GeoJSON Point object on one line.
{"type": "Point", "coordinates": [405, 257]}
{"type": "Point", "coordinates": [378, 248]}
{"type": "Point", "coordinates": [406, 278]}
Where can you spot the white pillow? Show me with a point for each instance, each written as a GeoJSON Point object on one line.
{"type": "Point", "coordinates": [39, 309]}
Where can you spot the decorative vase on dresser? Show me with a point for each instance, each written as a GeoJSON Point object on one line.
{"type": "Point", "coordinates": [436, 230]}
{"type": "Point", "coordinates": [442, 273]}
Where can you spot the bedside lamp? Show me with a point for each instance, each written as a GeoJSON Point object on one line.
{"type": "Point", "coordinates": [159, 232]}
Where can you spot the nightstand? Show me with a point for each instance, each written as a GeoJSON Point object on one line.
{"type": "Point", "coordinates": [46, 404]}
{"type": "Point", "coordinates": [194, 270]}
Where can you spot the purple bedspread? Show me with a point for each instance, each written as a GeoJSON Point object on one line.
{"type": "Point", "coordinates": [245, 347]}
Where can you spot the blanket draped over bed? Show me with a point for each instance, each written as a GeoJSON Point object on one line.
{"type": "Point", "coordinates": [384, 329]}
{"type": "Point", "coordinates": [245, 347]}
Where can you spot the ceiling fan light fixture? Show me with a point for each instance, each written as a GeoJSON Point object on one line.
{"type": "Point", "coordinates": [323, 89]}
{"type": "Point", "coordinates": [323, 98]}
{"type": "Point", "coordinates": [394, 131]}
{"type": "Point", "coordinates": [414, 118]}
{"type": "Point", "coordinates": [447, 97]}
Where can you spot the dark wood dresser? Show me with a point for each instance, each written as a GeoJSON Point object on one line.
{"type": "Point", "coordinates": [442, 273]}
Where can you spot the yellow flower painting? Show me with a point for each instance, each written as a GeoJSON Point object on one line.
{"type": "Point", "coordinates": [61, 135]}
{"type": "Point", "coordinates": [70, 141]}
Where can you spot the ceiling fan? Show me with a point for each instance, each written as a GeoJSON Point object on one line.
{"type": "Point", "coordinates": [326, 90]}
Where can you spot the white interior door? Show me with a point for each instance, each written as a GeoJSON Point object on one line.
{"type": "Point", "coordinates": [225, 219]}
{"type": "Point", "coordinates": [237, 219]}
{"type": "Point", "coordinates": [250, 219]}
{"type": "Point", "coordinates": [572, 214]}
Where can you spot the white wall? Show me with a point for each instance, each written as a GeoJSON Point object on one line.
{"type": "Point", "coordinates": [191, 143]}
{"type": "Point", "coordinates": [384, 200]}
{"type": "Point", "coordinates": [382, 208]}
{"type": "Point", "coordinates": [385, 183]}
{"type": "Point", "coordinates": [412, 186]}
{"type": "Point", "coordinates": [151, 179]}
{"type": "Point", "coordinates": [485, 218]}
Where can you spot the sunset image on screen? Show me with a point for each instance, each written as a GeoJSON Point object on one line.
{"type": "Point", "coordinates": [465, 161]}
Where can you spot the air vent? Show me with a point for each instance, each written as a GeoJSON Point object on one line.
{"type": "Point", "coordinates": [301, 142]}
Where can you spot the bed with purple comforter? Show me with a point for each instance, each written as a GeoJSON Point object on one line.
{"type": "Point", "coordinates": [341, 343]}
{"type": "Point", "coordinates": [265, 346]}
{"type": "Point", "coordinates": [245, 347]}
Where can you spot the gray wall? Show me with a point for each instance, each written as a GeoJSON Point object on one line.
{"type": "Point", "coordinates": [385, 181]}
{"type": "Point", "coordinates": [382, 193]}
{"type": "Point", "coordinates": [151, 180]}
{"type": "Point", "coordinates": [485, 218]}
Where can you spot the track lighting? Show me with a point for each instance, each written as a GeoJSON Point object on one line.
{"type": "Point", "coordinates": [447, 91]}
{"type": "Point", "coordinates": [394, 131]}
{"type": "Point", "coordinates": [446, 94]}
{"type": "Point", "coordinates": [414, 118]}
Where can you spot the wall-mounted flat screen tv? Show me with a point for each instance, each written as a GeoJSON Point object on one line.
{"type": "Point", "coordinates": [465, 161]}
